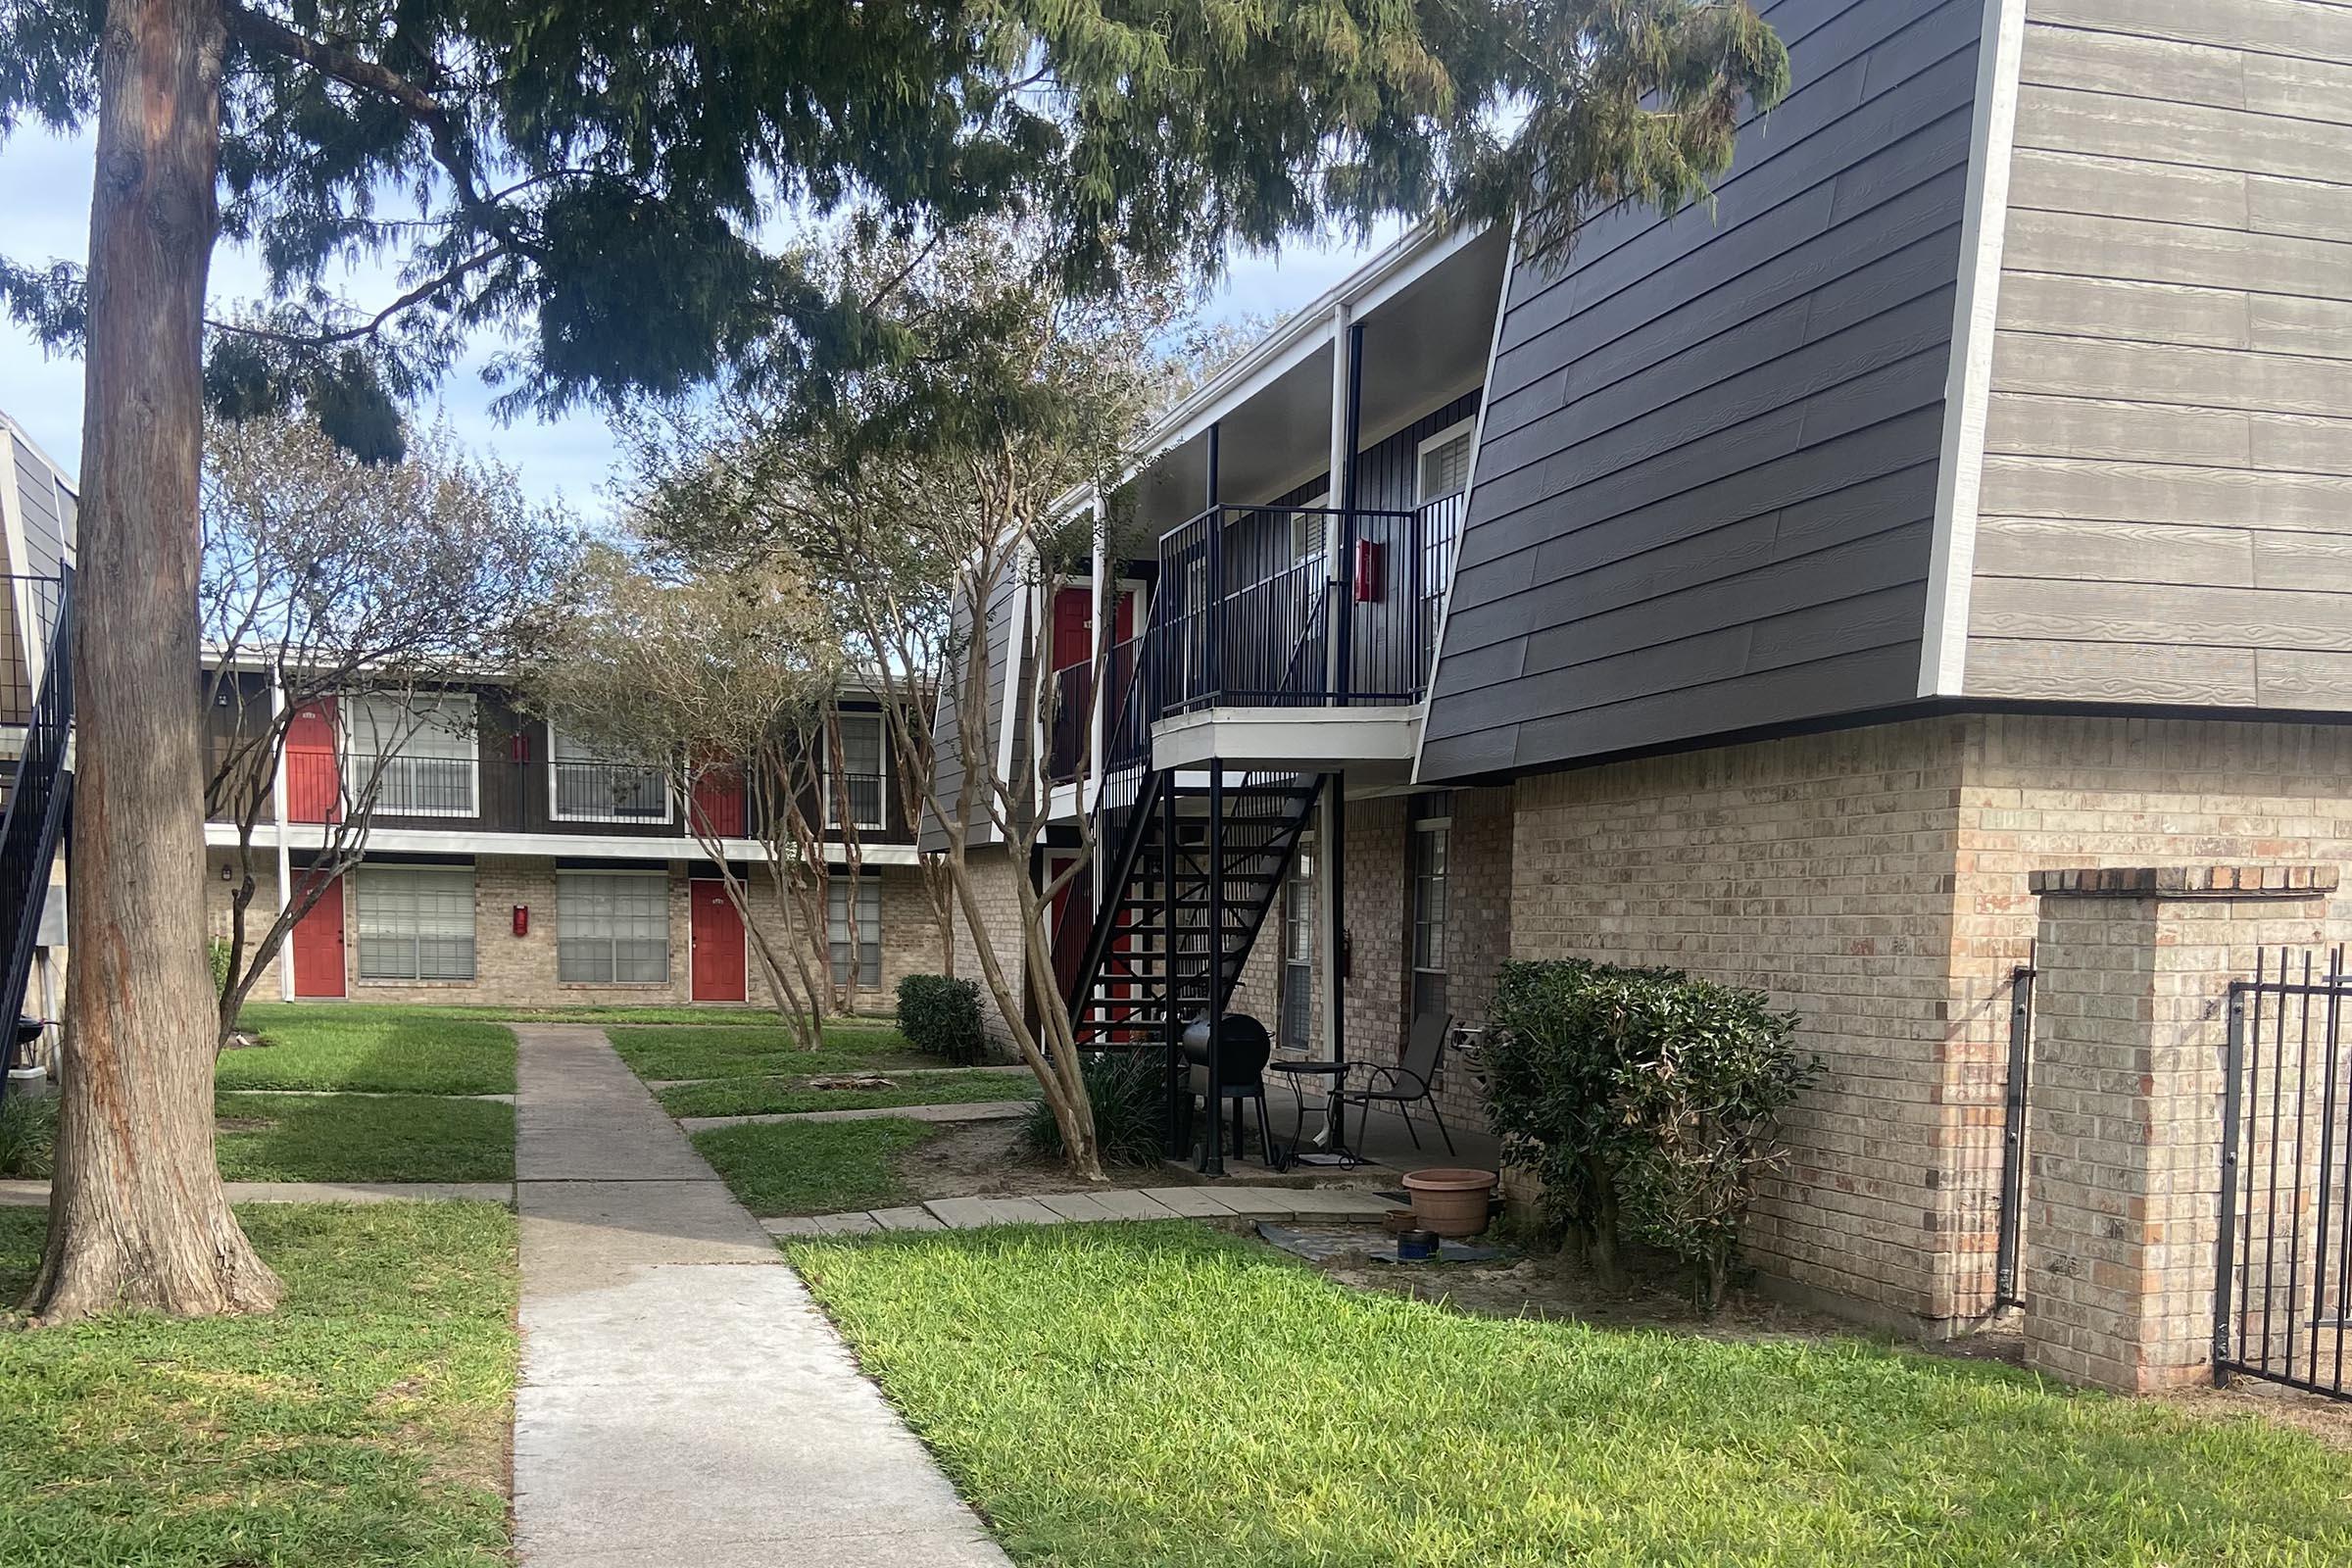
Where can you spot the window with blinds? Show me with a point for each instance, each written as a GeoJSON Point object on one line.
{"type": "Point", "coordinates": [861, 947]}
{"type": "Point", "coordinates": [611, 927]}
{"type": "Point", "coordinates": [416, 922]}
{"type": "Point", "coordinates": [420, 750]}
{"type": "Point", "coordinates": [862, 784]}
{"type": "Point", "coordinates": [1444, 463]}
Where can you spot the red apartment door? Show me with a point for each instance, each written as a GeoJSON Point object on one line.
{"type": "Point", "coordinates": [314, 788]}
{"type": "Point", "coordinates": [718, 803]}
{"type": "Point", "coordinates": [1073, 627]}
{"type": "Point", "coordinates": [718, 933]}
{"type": "Point", "coordinates": [319, 946]}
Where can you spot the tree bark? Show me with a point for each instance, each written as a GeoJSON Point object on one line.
{"type": "Point", "coordinates": [138, 1215]}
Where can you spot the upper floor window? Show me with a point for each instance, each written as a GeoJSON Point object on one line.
{"type": "Point", "coordinates": [419, 749]}
{"type": "Point", "coordinates": [586, 785]}
{"type": "Point", "coordinates": [1444, 463]}
{"type": "Point", "coordinates": [863, 786]}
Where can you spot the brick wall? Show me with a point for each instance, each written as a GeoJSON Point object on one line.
{"type": "Point", "coordinates": [995, 888]}
{"type": "Point", "coordinates": [520, 971]}
{"type": "Point", "coordinates": [1817, 868]}
{"type": "Point", "coordinates": [1876, 881]}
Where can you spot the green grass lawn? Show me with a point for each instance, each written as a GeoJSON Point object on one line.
{"type": "Point", "coordinates": [1120, 1395]}
{"type": "Point", "coordinates": [362, 1425]}
{"type": "Point", "coordinates": [701, 1013]}
{"type": "Point", "coordinates": [364, 1138]}
{"type": "Point", "coordinates": [762, 1097]}
{"type": "Point", "coordinates": [401, 1050]}
{"type": "Point", "coordinates": [813, 1167]}
{"type": "Point", "coordinates": [704, 1051]}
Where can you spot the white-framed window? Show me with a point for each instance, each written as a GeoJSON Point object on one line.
{"type": "Point", "coordinates": [586, 785]}
{"type": "Point", "coordinates": [416, 922]}
{"type": "Point", "coordinates": [611, 927]}
{"type": "Point", "coordinates": [1442, 467]}
{"type": "Point", "coordinates": [426, 747]}
{"type": "Point", "coordinates": [1307, 529]}
{"type": "Point", "coordinates": [865, 781]}
{"type": "Point", "coordinates": [1299, 951]}
{"type": "Point", "coordinates": [863, 946]}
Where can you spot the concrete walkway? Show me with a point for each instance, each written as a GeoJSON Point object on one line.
{"type": "Point", "coordinates": [1325, 1204]}
{"type": "Point", "coordinates": [964, 1110]}
{"type": "Point", "coordinates": [35, 1195]}
{"type": "Point", "coordinates": [682, 1399]}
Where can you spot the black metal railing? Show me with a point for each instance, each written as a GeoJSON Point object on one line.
{"type": "Point", "coordinates": [860, 793]}
{"type": "Point", "coordinates": [599, 791]}
{"type": "Point", "coordinates": [1248, 613]}
{"type": "Point", "coordinates": [39, 789]}
{"type": "Point", "coordinates": [399, 785]}
{"type": "Point", "coordinates": [2282, 1285]}
{"type": "Point", "coordinates": [1073, 688]}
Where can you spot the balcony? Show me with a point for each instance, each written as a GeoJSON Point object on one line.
{"type": "Point", "coordinates": [608, 792]}
{"type": "Point", "coordinates": [1276, 633]}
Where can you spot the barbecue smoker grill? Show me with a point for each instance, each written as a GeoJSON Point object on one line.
{"type": "Point", "coordinates": [1241, 1048]}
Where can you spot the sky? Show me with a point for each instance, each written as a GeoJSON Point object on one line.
{"type": "Point", "coordinates": [45, 195]}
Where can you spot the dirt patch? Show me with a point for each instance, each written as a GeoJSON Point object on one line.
{"type": "Point", "coordinates": [1552, 1285]}
{"type": "Point", "coordinates": [244, 1124]}
{"type": "Point", "coordinates": [985, 1160]}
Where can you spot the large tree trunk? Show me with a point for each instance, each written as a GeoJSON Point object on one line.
{"type": "Point", "coordinates": [137, 1216]}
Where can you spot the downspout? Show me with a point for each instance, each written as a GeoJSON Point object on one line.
{"type": "Point", "coordinates": [285, 872]}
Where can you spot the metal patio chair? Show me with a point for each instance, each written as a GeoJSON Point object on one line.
{"type": "Point", "coordinates": [1407, 1084]}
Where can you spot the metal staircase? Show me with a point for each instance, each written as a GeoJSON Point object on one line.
{"type": "Point", "coordinates": [41, 789]}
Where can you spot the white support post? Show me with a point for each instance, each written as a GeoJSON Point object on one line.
{"type": "Point", "coordinates": [1090, 788]}
{"type": "Point", "coordinates": [1335, 571]}
{"type": "Point", "coordinates": [285, 860]}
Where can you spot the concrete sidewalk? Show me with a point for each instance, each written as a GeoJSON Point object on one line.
{"type": "Point", "coordinates": [682, 1399]}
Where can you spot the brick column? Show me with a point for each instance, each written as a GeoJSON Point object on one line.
{"type": "Point", "coordinates": [2131, 1001]}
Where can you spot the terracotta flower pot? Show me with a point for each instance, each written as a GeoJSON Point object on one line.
{"type": "Point", "coordinates": [1451, 1202]}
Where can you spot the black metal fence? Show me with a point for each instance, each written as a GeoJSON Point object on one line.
{"type": "Point", "coordinates": [2283, 1257]}
{"type": "Point", "coordinates": [2005, 1292]}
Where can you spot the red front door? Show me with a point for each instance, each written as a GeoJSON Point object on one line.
{"type": "Point", "coordinates": [718, 933]}
{"type": "Point", "coordinates": [314, 786]}
{"type": "Point", "coordinates": [719, 803]}
{"type": "Point", "coordinates": [1073, 627]}
{"type": "Point", "coordinates": [318, 944]}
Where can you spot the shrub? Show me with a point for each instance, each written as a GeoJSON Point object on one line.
{"type": "Point", "coordinates": [940, 1017]}
{"type": "Point", "coordinates": [218, 951]}
{"type": "Point", "coordinates": [1130, 1096]}
{"type": "Point", "coordinates": [27, 1138]}
{"type": "Point", "coordinates": [1641, 1097]}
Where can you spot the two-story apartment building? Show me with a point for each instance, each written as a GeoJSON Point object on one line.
{"type": "Point", "coordinates": [38, 546]}
{"type": "Point", "coordinates": [505, 862]}
{"type": "Point", "coordinates": [1764, 589]}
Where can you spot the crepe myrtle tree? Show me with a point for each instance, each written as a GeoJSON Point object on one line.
{"type": "Point", "coordinates": [728, 684]}
{"type": "Point", "coordinates": [340, 596]}
{"type": "Point", "coordinates": [932, 493]}
{"type": "Point", "coordinates": [600, 183]}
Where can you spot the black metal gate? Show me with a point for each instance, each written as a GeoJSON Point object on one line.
{"type": "Point", "coordinates": [2005, 1292]}
{"type": "Point", "coordinates": [2283, 1256]}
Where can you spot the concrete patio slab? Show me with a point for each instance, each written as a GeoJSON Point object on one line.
{"type": "Point", "coordinates": [910, 1218]}
{"type": "Point", "coordinates": [1131, 1205]}
{"type": "Point", "coordinates": [1193, 1202]}
{"type": "Point", "coordinates": [1078, 1205]}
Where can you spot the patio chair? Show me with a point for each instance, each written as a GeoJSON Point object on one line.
{"type": "Point", "coordinates": [1407, 1084]}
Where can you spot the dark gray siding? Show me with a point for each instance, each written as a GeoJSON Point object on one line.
{"type": "Point", "coordinates": [46, 509]}
{"type": "Point", "coordinates": [1705, 488]}
{"type": "Point", "coordinates": [947, 730]}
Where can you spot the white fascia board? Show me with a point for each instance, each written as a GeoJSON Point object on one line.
{"type": "Point", "coordinates": [589, 845]}
{"type": "Point", "coordinates": [1968, 381]}
{"type": "Point", "coordinates": [1315, 738]}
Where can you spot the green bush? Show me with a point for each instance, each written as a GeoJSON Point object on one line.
{"type": "Point", "coordinates": [1646, 1100]}
{"type": "Point", "coordinates": [940, 1017]}
{"type": "Point", "coordinates": [27, 1138]}
{"type": "Point", "coordinates": [218, 951]}
{"type": "Point", "coordinates": [1128, 1090]}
